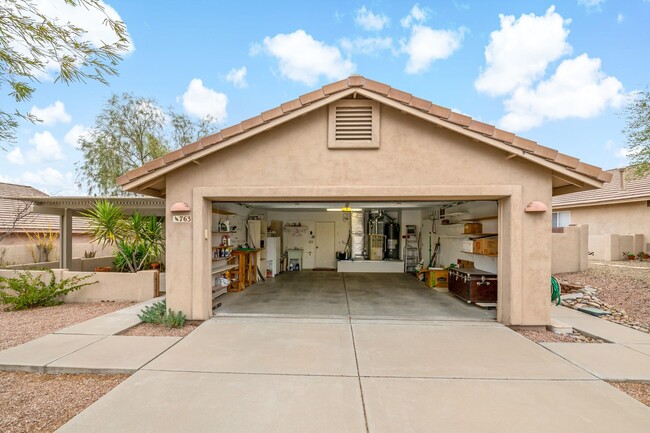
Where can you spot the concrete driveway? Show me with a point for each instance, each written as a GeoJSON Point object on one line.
{"type": "Point", "coordinates": [351, 375]}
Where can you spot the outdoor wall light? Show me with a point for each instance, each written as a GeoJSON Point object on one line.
{"type": "Point", "coordinates": [536, 206]}
{"type": "Point", "coordinates": [180, 207]}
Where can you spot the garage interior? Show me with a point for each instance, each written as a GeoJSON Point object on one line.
{"type": "Point", "coordinates": [383, 259]}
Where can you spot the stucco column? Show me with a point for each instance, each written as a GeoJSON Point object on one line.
{"type": "Point", "coordinates": [201, 256]}
{"type": "Point", "coordinates": [65, 240]}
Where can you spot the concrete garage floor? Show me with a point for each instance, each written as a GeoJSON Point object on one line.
{"type": "Point", "coordinates": [357, 295]}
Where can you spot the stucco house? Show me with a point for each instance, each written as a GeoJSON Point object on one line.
{"type": "Point", "coordinates": [618, 214]}
{"type": "Point", "coordinates": [357, 145]}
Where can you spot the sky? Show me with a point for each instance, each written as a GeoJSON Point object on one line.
{"type": "Point", "coordinates": [556, 72]}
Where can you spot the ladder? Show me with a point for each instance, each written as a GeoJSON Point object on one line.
{"type": "Point", "coordinates": [411, 249]}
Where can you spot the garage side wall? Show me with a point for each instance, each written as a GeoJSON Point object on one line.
{"type": "Point", "coordinates": [413, 155]}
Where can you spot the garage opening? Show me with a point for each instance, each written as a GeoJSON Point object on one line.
{"type": "Point", "coordinates": [425, 259]}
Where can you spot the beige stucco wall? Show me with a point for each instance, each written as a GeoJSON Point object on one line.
{"type": "Point", "coordinates": [416, 160]}
{"type": "Point", "coordinates": [615, 219]}
{"type": "Point", "coordinates": [570, 252]}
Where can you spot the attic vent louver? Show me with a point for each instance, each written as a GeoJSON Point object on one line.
{"type": "Point", "coordinates": [354, 124]}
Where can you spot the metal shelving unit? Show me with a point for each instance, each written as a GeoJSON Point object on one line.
{"type": "Point", "coordinates": [411, 249]}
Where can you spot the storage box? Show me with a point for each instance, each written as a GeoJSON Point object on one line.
{"type": "Point", "coordinates": [467, 246]}
{"type": "Point", "coordinates": [473, 285]}
{"type": "Point", "coordinates": [487, 246]}
{"type": "Point", "coordinates": [473, 228]}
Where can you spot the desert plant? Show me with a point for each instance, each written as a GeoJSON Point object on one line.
{"type": "Point", "coordinates": [42, 243]}
{"type": "Point", "coordinates": [139, 239]}
{"type": "Point", "coordinates": [159, 314]}
{"type": "Point", "coordinates": [28, 291]}
{"type": "Point", "coordinates": [90, 254]}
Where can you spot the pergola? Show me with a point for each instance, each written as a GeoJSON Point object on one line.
{"type": "Point", "coordinates": [68, 207]}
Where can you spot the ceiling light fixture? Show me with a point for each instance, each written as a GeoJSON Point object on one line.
{"type": "Point", "coordinates": [345, 208]}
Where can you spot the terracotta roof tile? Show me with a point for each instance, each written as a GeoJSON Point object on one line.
{"type": "Point", "coordinates": [382, 89]}
{"type": "Point", "coordinates": [505, 136]}
{"type": "Point", "coordinates": [605, 176]}
{"type": "Point", "coordinates": [439, 111]}
{"type": "Point", "coordinates": [420, 104]}
{"type": "Point", "coordinates": [272, 114]}
{"type": "Point", "coordinates": [310, 97]}
{"type": "Point", "coordinates": [211, 140]}
{"type": "Point", "coordinates": [566, 160]}
{"type": "Point", "coordinates": [524, 143]}
{"type": "Point", "coordinates": [399, 96]}
{"type": "Point", "coordinates": [173, 156]}
{"type": "Point", "coordinates": [619, 186]}
{"type": "Point", "coordinates": [545, 152]}
{"type": "Point", "coordinates": [355, 81]}
{"type": "Point", "coordinates": [231, 130]}
{"type": "Point", "coordinates": [588, 169]}
{"type": "Point", "coordinates": [291, 106]}
{"type": "Point", "coordinates": [154, 164]}
{"type": "Point", "coordinates": [335, 87]}
{"type": "Point", "coordinates": [377, 87]}
{"type": "Point", "coordinates": [459, 119]}
{"type": "Point", "coordinates": [138, 172]}
{"type": "Point", "coordinates": [252, 122]}
{"type": "Point", "coordinates": [188, 149]}
{"type": "Point", "coordinates": [482, 128]}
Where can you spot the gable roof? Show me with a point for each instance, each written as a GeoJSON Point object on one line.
{"type": "Point", "coordinates": [573, 174]}
{"type": "Point", "coordinates": [622, 188]}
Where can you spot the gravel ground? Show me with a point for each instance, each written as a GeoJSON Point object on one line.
{"type": "Point", "coordinates": [17, 327]}
{"type": "Point", "coordinates": [32, 402]}
{"type": "Point", "coordinates": [624, 285]}
{"type": "Point", "coordinates": [638, 391]}
{"type": "Point", "coordinates": [149, 329]}
{"type": "Point", "coordinates": [552, 337]}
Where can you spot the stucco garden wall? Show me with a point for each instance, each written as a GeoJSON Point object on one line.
{"type": "Point", "coordinates": [570, 252]}
{"type": "Point", "coordinates": [416, 160]}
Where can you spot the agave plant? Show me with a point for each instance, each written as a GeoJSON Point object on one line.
{"type": "Point", "coordinates": [139, 239]}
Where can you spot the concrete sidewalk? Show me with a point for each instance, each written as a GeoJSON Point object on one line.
{"type": "Point", "coordinates": [89, 347]}
{"type": "Point", "coordinates": [625, 356]}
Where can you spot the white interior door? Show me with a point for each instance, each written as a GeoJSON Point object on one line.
{"type": "Point", "coordinates": [325, 251]}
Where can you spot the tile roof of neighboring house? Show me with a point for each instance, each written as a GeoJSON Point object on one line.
{"type": "Point", "coordinates": [357, 82]}
{"type": "Point", "coordinates": [623, 187]}
{"type": "Point", "coordinates": [30, 222]}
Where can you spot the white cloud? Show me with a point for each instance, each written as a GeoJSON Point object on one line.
{"type": "Point", "coordinates": [202, 102]}
{"type": "Point", "coordinates": [578, 89]}
{"type": "Point", "coordinates": [15, 156]}
{"type": "Point", "coordinates": [51, 181]}
{"type": "Point", "coordinates": [303, 59]}
{"type": "Point", "coordinates": [370, 21]}
{"type": "Point", "coordinates": [45, 147]}
{"type": "Point", "coordinates": [591, 5]}
{"type": "Point", "coordinates": [520, 51]}
{"type": "Point", "coordinates": [620, 18]}
{"type": "Point", "coordinates": [427, 45]}
{"type": "Point", "coordinates": [367, 45]}
{"type": "Point", "coordinates": [237, 77]}
{"type": "Point", "coordinates": [52, 114]}
{"type": "Point", "coordinates": [417, 14]}
{"type": "Point", "coordinates": [75, 133]}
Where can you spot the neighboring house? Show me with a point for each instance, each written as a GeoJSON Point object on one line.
{"type": "Point", "coordinates": [618, 215]}
{"type": "Point", "coordinates": [362, 142]}
{"type": "Point", "coordinates": [20, 228]}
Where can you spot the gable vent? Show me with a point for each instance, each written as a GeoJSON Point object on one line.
{"type": "Point", "coordinates": [353, 124]}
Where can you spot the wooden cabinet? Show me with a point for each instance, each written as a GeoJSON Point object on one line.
{"type": "Point", "coordinates": [473, 285]}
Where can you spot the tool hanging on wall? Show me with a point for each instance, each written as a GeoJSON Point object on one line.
{"type": "Point", "coordinates": [436, 253]}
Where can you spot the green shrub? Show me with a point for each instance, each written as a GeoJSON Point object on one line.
{"type": "Point", "coordinates": [159, 314]}
{"type": "Point", "coordinates": [29, 291]}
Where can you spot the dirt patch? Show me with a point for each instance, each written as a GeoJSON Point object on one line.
{"type": "Point", "coordinates": [34, 402]}
{"type": "Point", "coordinates": [552, 337]}
{"type": "Point", "coordinates": [149, 329]}
{"type": "Point", "coordinates": [638, 391]}
{"type": "Point", "coordinates": [622, 286]}
{"type": "Point", "coordinates": [17, 327]}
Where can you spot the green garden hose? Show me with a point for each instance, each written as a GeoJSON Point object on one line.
{"type": "Point", "coordinates": [555, 291]}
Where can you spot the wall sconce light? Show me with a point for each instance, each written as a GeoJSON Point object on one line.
{"type": "Point", "coordinates": [180, 207]}
{"type": "Point", "coordinates": [536, 206]}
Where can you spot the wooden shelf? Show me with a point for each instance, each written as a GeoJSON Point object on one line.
{"type": "Point", "coordinates": [481, 254]}
{"type": "Point", "coordinates": [481, 235]}
{"type": "Point", "coordinates": [453, 214]}
{"type": "Point", "coordinates": [223, 269]}
{"type": "Point", "coordinates": [221, 247]}
{"type": "Point", "coordinates": [481, 218]}
{"type": "Point", "coordinates": [221, 259]}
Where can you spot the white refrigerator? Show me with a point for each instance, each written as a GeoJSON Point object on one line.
{"type": "Point", "coordinates": [273, 254]}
